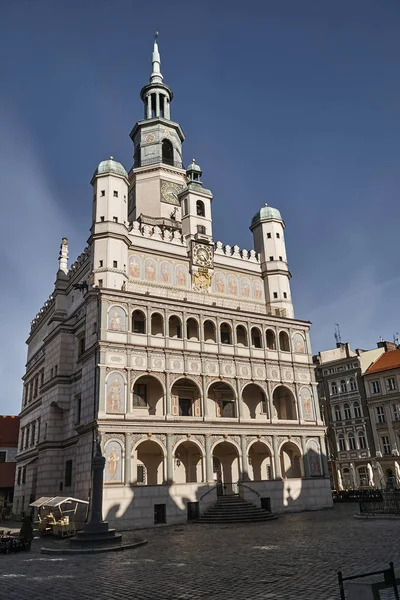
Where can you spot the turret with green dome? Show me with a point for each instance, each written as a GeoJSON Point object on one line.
{"type": "Point", "coordinates": [264, 214]}
{"type": "Point", "coordinates": [109, 166]}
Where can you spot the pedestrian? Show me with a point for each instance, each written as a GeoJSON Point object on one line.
{"type": "Point", "coordinates": [26, 532]}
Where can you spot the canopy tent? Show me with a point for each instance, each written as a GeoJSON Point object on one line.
{"type": "Point", "coordinates": [60, 515]}
{"type": "Point", "coordinates": [53, 501]}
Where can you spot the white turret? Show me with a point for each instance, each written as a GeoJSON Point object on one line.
{"type": "Point", "coordinates": [109, 240]}
{"type": "Point", "coordinates": [269, 242]}
{"type": "Point", "coordinates": [196, 206]}
{"type": "Point", "coordinates": [63, 256]}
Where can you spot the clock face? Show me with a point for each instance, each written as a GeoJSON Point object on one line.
{"type": "Point", "coordinates": [169, 192]}
{"type": "Point", "coordinates": [203, 255]}
{"type": "Point", "coordinates": [150, 138]}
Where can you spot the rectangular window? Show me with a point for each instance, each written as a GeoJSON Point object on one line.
{"type": "Point", "coordinates": [78, 408]}
{"type": "Point", "coordinates": [100, 263]}
{"type": "Point", "coordinates": [51, 373]}
{"type": "Point", "coordinates": [185, 407]}
{"type": "Point", "coordinates": [201, 229]}
{"type": "Point", "coordinates": [141, 475]}
{"type": "Point", "coordinates": [3, 456]}
{"type": "Point", "coordinates": [275, 294]}
{"type": "Point", "coordinates": [33, 434]}
{"type": "Point", "coordinates": [278, 236]}
{"type": "Point", "coordinates": [23, 475]}
{"type": "Point", "coordinates": [376, 387]}
{"type": "Point", "coordinates": [115, 194]}
{"type": "Point", "coordinates": [102, 219]}
{"type": "Point", "coordinates": [115, 264]}
{"type": "Point", "coordinates": [284, 294]}
{"type": "Point", "coordinates": [41, 377]}
{"type": "Point", "coordinates": [100, 283]}
{"type": "Point", "coordinates": [81, 345]}
{"type": "Point", "coordinates": [103, 193]}
{"type": "Point", "coordinates": [385, 444]}
{"type": "Point", "coordinates": [26, 437]}
{"type": "Point", "coordinates": [30, 390]}
{"type": "Point", "coordinates": [380, 414]}
{"type": "Point", "coordinates": [185, 207]}
{"type": "Point", "coordinates": [269, 236]}
{"type": "Point", "coordinates": [280, 258]}
{"type": "Point", "coordinates": [115, 219]}
{"type": "Point", "coordinates": [68, 473]}
{"type": "Point", "coordinates": [35, 393]}
{"type": "Point", "coordinates": [140, 394]}
{"type": "Point", "coordinates": [396, 411]}
{"type": "Point", "coordinates": [160, 513]}
{"type": "Point", "coordinates": [19, 476]}
{"type": "Point", "coordinates": [271, 258]}
{"type": "Point", "coordinates": [55, 370]}
{"type": "Point", "coordinates": [264, 407]}
{"type": "Point", "coordinates": [390, 384]}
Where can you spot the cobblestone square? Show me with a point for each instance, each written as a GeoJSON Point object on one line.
{"type": "Point", "coordinates": [293, 558]}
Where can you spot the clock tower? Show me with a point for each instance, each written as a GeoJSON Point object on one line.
{"type": "Point", "coordinates": [157, 175]}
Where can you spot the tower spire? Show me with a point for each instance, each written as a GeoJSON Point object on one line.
{"type": "Point", "coordinates": [156, 76]}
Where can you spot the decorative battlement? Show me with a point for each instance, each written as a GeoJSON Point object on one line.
{"type": "Point", "coordinates": [43, 311]}
{"type": "Point", "coordinates": [157, 233]}
{"type": "Point", "coordinates": [237, 252]}
{"type": "Point", "coordinates": [79, 262]}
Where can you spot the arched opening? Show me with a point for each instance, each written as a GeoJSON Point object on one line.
{"type": "Point", "coordinates": [254, 402]}
{"type": "Point", "coordinates": [342, 442]}
{"type": "Point", "coordinates": [284, 403]}
{"type": "Point", "coordinates": [352, 441]}
{"type": "Point", "coordinates": [192, 329]}
{"type": "Point", "coordinates": [284, 344]}
{"type": "Point", "coordinates": [256, 337]}
{"type": "Point", "coordinates": [138, 322]}
{"type": "Point", "coordinates": [347, 479]}
{"type": "Point", "coordinates": [175, 327]}
{"type": "Point", "coordinates": [357, 409]}
{"type": "Point", "coordinates": [167, 152]}
{"type": "Point", "coordinates": [338, 413]}
{"type": "Point", "coordinates": [241, 336]}
{"type": "Point", "coordinates": [209, 331]}
{"type": "Point", "coordinates": [260, 462]}
{"type": "Point", "coordinates": [361, 440]}
{"type": "Point", "coordinates": [347, 413]}
{"type": "Point", "coordinates": [226, 467]}
{"type": "Point", "coordinates": [343, 386]}
{"type": "Point", "coordinates": [188, 463]}
{"type": "Point", "coordinates": [149, 464]}
{"type": "Point", "coordinates": [226, 333]}
{"type": "Point", "coordinates": [157, 324]}
{"type": "Point", "coordinates": [222, 400]}
{"type": "Point", "coordinates": [390, 480]}
{"type": "Point", "coordinates": [362, 476]}
{"type": "Point", "coordinates": [200, 210]}
{"type": "Point", "coordinates": [290, 461]}
{"type": "Point", "coordinates": [186, 398]}
{"type": "Point", "coordinates": [162, 100]}
{"type": "Point", "coordinates": [148, 397]}
{"type": "Point", "coordinates": [270, 339]}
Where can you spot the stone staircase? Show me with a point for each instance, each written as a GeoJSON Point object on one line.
{"type": "Point", "coordinates": [233, 509]}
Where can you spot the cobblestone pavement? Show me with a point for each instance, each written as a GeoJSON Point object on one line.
{"type": "Point", "coordinates": [295, 557]}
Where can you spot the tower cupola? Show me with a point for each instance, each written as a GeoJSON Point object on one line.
{"type": "Point", "coordinates": [156, 96]}
{"type": "Point", "coordinates": [194, 172]}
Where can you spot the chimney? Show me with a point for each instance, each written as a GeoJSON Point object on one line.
{"type": "Point", "coordinates": [389, 346]}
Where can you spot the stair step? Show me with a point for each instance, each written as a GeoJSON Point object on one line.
{"type": "Point", "coordinates": [234, 509]}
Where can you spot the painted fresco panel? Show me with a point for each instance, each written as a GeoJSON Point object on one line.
{"type": "Point", "coordinates": [115, 393]}
{"type": "Point", "coordinates": [113, 456]}
{"type": "Point", "coordinates": [116, 319]}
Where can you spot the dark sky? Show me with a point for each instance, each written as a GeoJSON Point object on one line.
{"type": "Point", "coordinates": [286, 102]}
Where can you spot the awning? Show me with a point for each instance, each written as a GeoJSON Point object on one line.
{"type": "Point", "coordinates": [40, 501]}
{"type": "Point", "coordinates": [53, 501]}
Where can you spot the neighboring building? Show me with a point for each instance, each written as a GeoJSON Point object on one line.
{"type": "Point", "coordinates": [182, 355]}
{"type": "Point", "coordinates": [339, 373]}
{"type": "Point", "coordinates": [382, 386]}
{"type": "Point", "coordinates": [9, 428]}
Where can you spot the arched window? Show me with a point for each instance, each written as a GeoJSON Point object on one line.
{"type": "Point", "coordinates": [192, 329]}
{"type": "Point", "coordinates": [241, 336]}
{"type": "Point", "coordinates": [138, 322]}
{"type": "Point", "coordinates": [167, 152]}
{"type": "Point", "coordinates": [352, 441]}
{"type": "Point", "coordinates": [333, 388]}
{"type": "Point", "coordinates": [200, 210]}
{"type": "Point", "coordinates": [357, 409]}
{"type": "Point", "coordinates": [347, 412]}
{"type": "Point", "coordinates": [256, 337]}
{"type": "Point", "coordinates": [157, 324]}
{"type": "Point", "coordinates": [226, 333]}
{"type": "Point", "coordinates": [361, 440]}
{"type": "Point", "coordinates": [342, 442]}
{"type": "Point", "coordinates": [209, 331]}
{"type": "Point", "coordinates": [270, 339]}
{"type": "Point", "coordinates": [343, 386]}
{"type": "Point", "coordinates": [338, 413]}
{"type": "Point", "coordinates": [175, 327]}
{"type": "Point", "coordinates": [353, 385]}
{"type": "Point", "coordinates": [284, 344]}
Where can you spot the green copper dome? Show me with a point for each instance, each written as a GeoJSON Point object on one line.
{"type": "Point", "coordinates": [266, 212]}
{"type": "Point", "coordinates": [110, 166]}
{"type": "Point", "coordinates": [193, 167]}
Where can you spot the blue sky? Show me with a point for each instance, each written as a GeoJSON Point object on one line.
{"type": "Point", "coordinates": [294, 104]}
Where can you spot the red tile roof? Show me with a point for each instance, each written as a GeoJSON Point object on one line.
{"type": "Point", "coordinates": [387, 361]}
{"type": "Point", "coordinates": [9, 428]}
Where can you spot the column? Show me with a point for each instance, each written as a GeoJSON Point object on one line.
{"type": "Point", "coordinates": [166, 108]}
{"type": "Point", "coordinates": [170, 459]}
{"type": "Point", "coordinates": [305, 459]}
{"type": "Point", "coordinates": [167, 395]}
{"type": "Point", "coordinates": [270, 404]}
{"type": "Point", "coordinates": [157, 105]}
{"type": "Point", "coordinates": [239, 399]}
{"type": "Point", "coordinates": [128, 460]}
{"type": "Point", "coordinates": [209, 467]}
{"type": "Point", "coordinates": [149, 106]}
{"type": "Point", "coordinates": [324, 457]}
{"type": "Point", "coordinates": [277, 460]}
{"type": "Point", "coordinates": [245, 464]}
{"type": "Point", "coordinates": [204, 406]}
{"type": "Point", "coordinates": [102, 389]}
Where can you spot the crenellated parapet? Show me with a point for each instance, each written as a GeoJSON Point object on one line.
{"type": "Point", "coordinates": [82, 258]}
{"type": "Point", "coordinates": [236, 252]}
{"type": "Point", "coordinates": [157, 233]}
{"type": "Point", "coordinates": [42, 312]}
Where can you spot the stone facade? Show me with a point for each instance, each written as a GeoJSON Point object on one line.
{"type": "Point", "coordinates": [182, 354]}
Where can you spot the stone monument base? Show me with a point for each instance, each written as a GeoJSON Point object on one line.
{"type": "Point", "coordinates": [96, 533]}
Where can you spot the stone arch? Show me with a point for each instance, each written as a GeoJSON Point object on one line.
{"type": "Point", "coordinates": [175, 326]}
{"type": "Point", "coordinates": [210, 330]}
{"type": "Point", "coordinates": [186, 397]}
{"type": "Point", "coordinates": [226, 465]}
{"type": "Point", "coordinates": [148, 395]}
{"type": "Point", "coordinates": [167, 152]}
{"type": "Point", "coordinates": [188, 461]}
{"type": "Point", "coordinates": [270, 339]}
{"type": "Point", "coordinates": [148, 462]}
{"type": "Point", "coordinates": [157, 324]}
{"type": "Point", "coordinates": [192, 329]}
{"type": "Point", "coordinates": [241, 336]}
{"type": "Point", "coordinates": [284, 403]}
{"type": "Point", "coordinates": [256, 337]}
{"type": "Point", "coordinates": [259, 456]}
{"type": "Point", "coordinates": [225, 332]}
{"type": "Point", "coordinates": [254, 401]}
{"type": "Point", "coordinates": [221, 399]}
{"type": "Point", "coordinates": [291, 460]}
{"type": "Point", "coordinates": [284, 341]}
{"type": "Point", "coordinates": [139, 321]}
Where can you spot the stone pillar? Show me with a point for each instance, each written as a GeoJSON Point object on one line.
{"type": "Point", "coordinates": [167, 395]}
{"type": "Point", "coordinates": [209, 466]}
{"type": "Point", "coordinates": [270, 404]}
{"type": "Point", "coordinates": [102, 389]}
{"type": "Point", "coordinates": [239, 399]}
{"type": "Point", "coordinates": [149, 106]}
{"type": "Point", "coordinates": [170, 459]}
{"type": "Point", "coordinates": [128, 459]}
{"type": "Point", "coordinates": [166, 108]}
{"type": "Point", "coordinates": [245, 463]}
{"type": "Point", "coordinates": [277, 460]}
{"type": "Point", "coordinates": [157, 105]}
{"type": "Point", "coordinates": [324, 456]}
{"type": "Point", "coordinates": [204, 406]}
{"type": "Point", "coordinates": [305, 459]}
{"type": "Point", "coordinates": [98, 464]}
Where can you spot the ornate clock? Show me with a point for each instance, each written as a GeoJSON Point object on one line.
{"type": "Point", "coordinates": [203, 255]}
{"type": "Point", "coordinates": [169, 192]}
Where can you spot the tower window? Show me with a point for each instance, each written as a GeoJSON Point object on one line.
{"type": "Point", "coordinates": [103, 193]}
{"type": "Point", "coordinates": [167, 153]}
{"type": "Point", "coordinates": [115, 219]}
{"type": "Point", "coordinates": [162, 100]}
{"type": "Point", "coordinates": [102, 219]}
{"type": "Point", "coordinates": [100, 263]}
{"type": "Point", "coordinates": [269, 236]}
{"type": "Point", "coordinates": [280, 258]}
{"type": "Point", "coordinates": [201, 229]}
{"type": "Point", "coordinates": [153, 106]}
{"type": "Point", "coordinates": [100, 283]}
{"type": "Point", "coordinates": [271, 258]}
{"type": "Point", "coordinates": [200, 211]}
{"type": "Point", "coordinates": [115, 264]}
{"type": "Point", "coordinates": [275, 294]}
{"type": "Point", "coordinates": [115, 194]}
{"type": "Point", "coordinates": [278, 236]}
{"type": "Point", "coordinates": [284, 294]}
{"type": "Point", "coordinates": [185, 207]}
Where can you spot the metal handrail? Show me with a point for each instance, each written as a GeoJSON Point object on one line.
{"type": "Point", "coordinates": [154, 160]}
{"type": "Point", "coordinates": [240, 484]}
{"type": "Point", "coordinates": [214, 487]}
